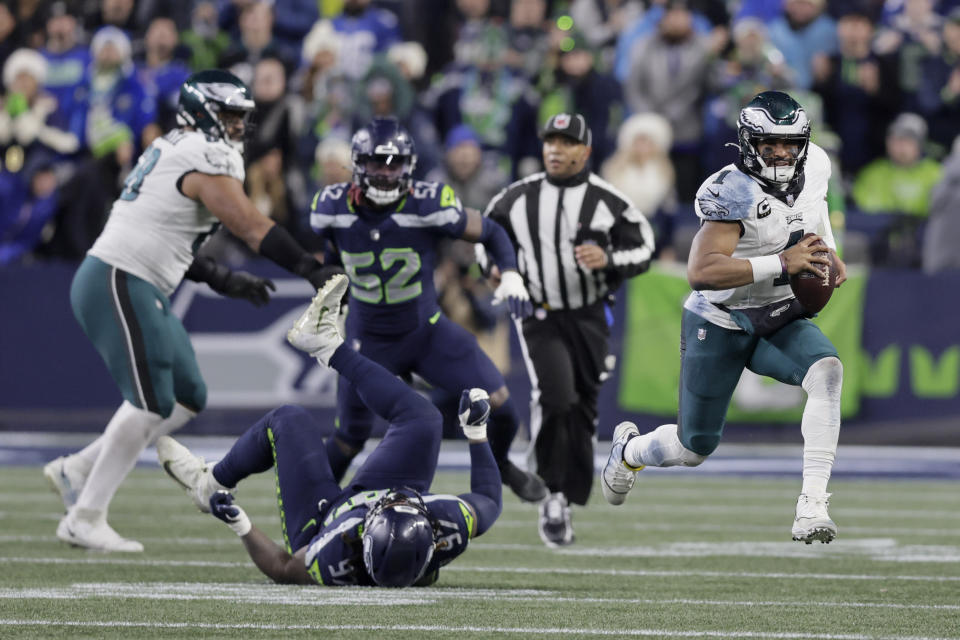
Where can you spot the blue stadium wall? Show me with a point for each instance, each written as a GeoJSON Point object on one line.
{"type": "Point", "coordinates": [903, 384]}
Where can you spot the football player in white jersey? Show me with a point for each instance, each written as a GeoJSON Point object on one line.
{"type": "Point", "coordinates": [742, 312]}
{"type": "Point", "coordinates": [184, 185]}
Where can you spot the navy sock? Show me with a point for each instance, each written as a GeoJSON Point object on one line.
{"type": "Point", "coordinates": [502, 428]}
{"type": "Point", "coordinates": [250, 454]}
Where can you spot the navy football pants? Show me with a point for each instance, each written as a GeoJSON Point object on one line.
{"type": "Point", "coordinates": [443, 353]}
{"type": "Point", "coordinates": [291, 440]}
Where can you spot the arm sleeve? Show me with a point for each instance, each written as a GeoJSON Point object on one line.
{"type": "Point", "coordinates": [498, 245]}
{"type": "Point", "coordinates": [486, 493]}
{"type": "Point", "coordinates": [279, 246]}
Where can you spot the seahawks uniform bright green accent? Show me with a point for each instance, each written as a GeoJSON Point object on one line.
{"type": "Point", "coordinates": [276, 472]}
{"type": "Point", "coordinates": [396, 289]}
{"type": "Point", "coordinates": [367, 287]}
{"type": "Point", "coordinates": [310, 523]}
{"type": "Point", "coordinates": [469, 518]}
{"type": "Point", "coordinates": [435, 317]}
{"type": "Point", "coordinates": [365, 498]}
{"type": "Point", "coordinates": [447, 197]}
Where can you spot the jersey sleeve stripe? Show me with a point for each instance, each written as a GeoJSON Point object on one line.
{"type": "Point", "coordinates": [337, 221]}
{"type": "Point", "coordinates": [436, 219]}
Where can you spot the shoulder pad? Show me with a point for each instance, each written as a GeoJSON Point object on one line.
{"type": "Point", "coordinates": [818, 163]}
{"type": "Point", "coordinates": [214, 157]}
{"type": "Point", "coordinates": [437, 194]}
{"type": "Point", "coordinates": [331, 199]}
{"type": "Point", "coordinates": [726, 195]}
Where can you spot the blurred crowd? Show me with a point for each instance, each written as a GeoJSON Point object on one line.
{"type": "Point", "coordinates": [87, 84]}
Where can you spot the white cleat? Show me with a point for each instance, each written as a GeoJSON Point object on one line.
{"type": "Point", "coordinates": [812, 521]}
{"type": "Point", "coordinates": [89, 529]}
{"type": "Point", "coordinates": [65, 482]}
{"type": "Point", "coordinates": [316, 331]}
{"type": "Point", "coordinates": [189, 471]}
{"type": "Point", "coordinates": [617, 477]}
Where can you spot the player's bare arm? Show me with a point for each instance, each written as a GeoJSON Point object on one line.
{"type": "Point", "coordinates": [474, 228]}
{"type": "Point", "coordinates": [275, 562]}
{"type": "Point", "coordinates": [224, 197]}
{"type": "Point", "coordinates": [711, 265]}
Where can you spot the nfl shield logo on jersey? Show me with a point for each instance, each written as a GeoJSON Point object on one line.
{"type": "Point", "coordinates": [701, 334]}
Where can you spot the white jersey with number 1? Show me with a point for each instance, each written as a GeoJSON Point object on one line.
{"type": "Point", "coordinates": [768, 225]}
{"type": "Point", "coordinates": [154, 230]}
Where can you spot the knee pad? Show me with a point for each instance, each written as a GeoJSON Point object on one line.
{"type": "Point", "coordinates": [824, 378]}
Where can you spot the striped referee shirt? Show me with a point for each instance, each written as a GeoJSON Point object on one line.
{"type": "Point", "coordinates": [546, 220]}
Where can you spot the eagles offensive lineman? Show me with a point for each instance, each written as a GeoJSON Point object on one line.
{"type": "Point", "coordinates": [742, 312]}
{"type": "Point", "coordinates": [383, 529]}
{"type": "Point", "coordinates": [385, 228]}
{"type": "Point", "coordinates": [183, 186]}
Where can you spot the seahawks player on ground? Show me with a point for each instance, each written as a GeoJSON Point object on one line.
{"type": "Point", "coordinates": [184, 185]}
{"type": "Point", "coordinates": [385, 228]}
{"type": "Point", "coordinates": [384, 528]}
{"type": "Point", "coordinates": [742, 313]}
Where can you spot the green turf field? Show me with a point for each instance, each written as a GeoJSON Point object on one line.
{"type": "Point", "coordinates": [688, 556]}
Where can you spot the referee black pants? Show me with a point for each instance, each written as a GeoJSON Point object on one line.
{"type": "Point", "coordinates": [566, 351]}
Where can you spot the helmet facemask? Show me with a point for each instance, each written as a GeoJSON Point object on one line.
{"type": "Point", "coordinates": [770, 118]}
{"type": "Point", "coordinates": [236, 125]}
{"type": "Point", "coordinates": [767, 164]}
{"type": "Point", "coordinates": [383, 178]}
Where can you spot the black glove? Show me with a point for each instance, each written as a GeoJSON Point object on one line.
{"type": "Point", "coordinates": [315, 272]}
{"type": "Point", "coordinates": [240, 284]}
{"type": "Point", "coordinates": [233, 284]}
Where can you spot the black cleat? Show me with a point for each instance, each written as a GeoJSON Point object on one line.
{"type": "Point", "coordinates": [527, 485]}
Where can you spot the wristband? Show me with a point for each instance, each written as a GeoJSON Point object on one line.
{"type": "Point", "coordinates": [767, 267]}
{"type": "Point", "coordinates": [475, 432]}
{"type": "Point", "coordinates": [241, 524]}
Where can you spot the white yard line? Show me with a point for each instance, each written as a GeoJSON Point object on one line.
{"type": "Point", "coordinates": [117, 624]}
{"type": "Point", "coordinates": [641, 573]}
{"type": "Point", "coordinates": [518, 570]}
{"type": "Point", "coordinates": [278, 594]}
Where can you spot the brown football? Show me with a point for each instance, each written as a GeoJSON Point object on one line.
{"type": "Point", "coordinates": [812, 291]}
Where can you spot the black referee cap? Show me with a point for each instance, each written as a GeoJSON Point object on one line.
{"type": "Point", "coordinates": [570, 125]}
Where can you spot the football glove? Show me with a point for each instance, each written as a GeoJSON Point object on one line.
{"type": "Point", "coordinates": [473, 413]}
{"type": "Point", "coordinates": [512, 291]}
{"type": "Point", "coordinates": [223, 508]}
{"type": "Point", "coordinates": [246, 286]}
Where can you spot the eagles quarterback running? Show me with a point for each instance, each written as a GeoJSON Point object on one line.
{"type": "Point", "coordinates": [385, 228]}
{"type": "Point", "coordinates": [742, 312]}
{"type": "Point", "coordinates": [184, 185]}
{"type": "Point", "coordinates": [384, 528]}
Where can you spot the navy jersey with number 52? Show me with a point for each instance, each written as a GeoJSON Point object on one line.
{"type": "Point", "coordinates": [389, 254]}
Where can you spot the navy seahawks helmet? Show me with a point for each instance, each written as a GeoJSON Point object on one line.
{"type": "Point", "coordinates": [384, 158]}
{"type": "Point", "coordinates": [773, 115]}
{"type": "Point", "coordinates": [205, 95]}
{"type": "Point", "coordinates": [398, 540]}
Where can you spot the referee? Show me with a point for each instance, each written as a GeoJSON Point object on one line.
{"type": "Point", "coordinates": [577, 238]}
